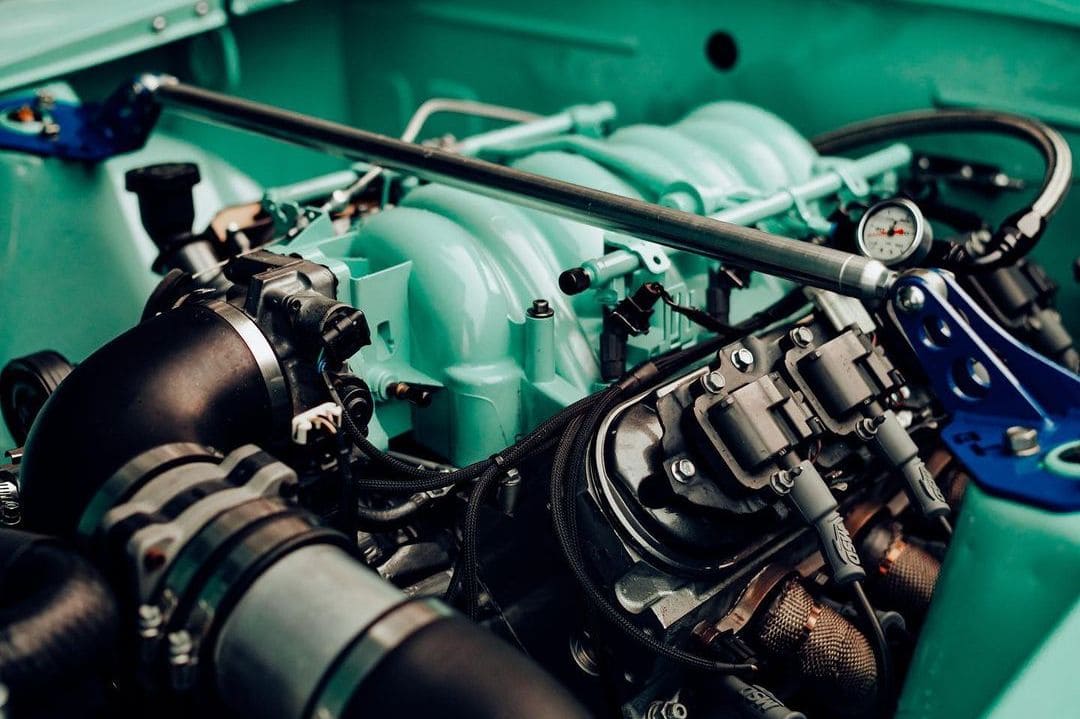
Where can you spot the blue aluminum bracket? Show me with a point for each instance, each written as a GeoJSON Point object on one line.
{"type": "Point", "coordinates": [990, 382]}
{"type": "Point", "coordinates": [40, 125]}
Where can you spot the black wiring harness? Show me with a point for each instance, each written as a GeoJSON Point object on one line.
{"type": "Point", "coordinates": [571, 432]}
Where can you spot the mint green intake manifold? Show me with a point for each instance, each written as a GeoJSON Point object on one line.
{"type": "Point", "coordinates": [447, 278]}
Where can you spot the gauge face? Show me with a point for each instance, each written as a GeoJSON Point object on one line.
{"type": "Point", "coordinates": [893, 232]}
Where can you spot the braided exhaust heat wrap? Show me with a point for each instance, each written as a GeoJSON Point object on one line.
{"type": "Point", "coordinates": [905, 578]}
{"type": "Point", "coordinates": [832, 658]}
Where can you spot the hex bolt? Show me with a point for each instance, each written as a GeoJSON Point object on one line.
{"type": "Point", "coordinates": [45, 99]}
{"type": "Point", "coordinates": [540, 309]}
{"type": "Point", "coordinates": [713, 382]}
{"type": "Point", "coordinates": [910, 299]}
{"type": "Point", "coordinates": [801, 336]}
{"type": "Point", "coordinates": [867, 427]}
{"type": "Point", "coordinates": [670, 709]}
{"type": "Point", "coordinates": [1022, 441]}
{"type": "Point", "coordinates": [150, 620]}
{"type": "Point", "coordinates": [180, 646]}
{"type": "Point", "coordinates": [781, 481]}
{"type": "Point", "coordinates": [181, 660]}
{"type": "Point", "coordinates": [683, 470]}
{"type": "Point", "coordinates": [159, 23]}
{"type": "Point", "coordinates": [742, 359]}
{"type": "Point", "coordinates": [202, 8]}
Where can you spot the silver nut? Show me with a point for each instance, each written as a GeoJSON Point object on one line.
{"type": "Point", "coordinates": [202, 8]}
{"type": "Point", "coordinates": [713, 382]}
{"type": "Point", "coordinates": [45, 99]}
{"type": "Point", "coordinates": [159, 23]}
{"type": "Point", "coordinates": [150, 620]}
{"type": "Point", "coordinates": [180, 646]}
{"type": "Point", "coordinates": [910, 299]}
{"type": "Point", "coordinates": [866, 428]}
{"type": "Point", "coordinates": [1022, 441]}
{"type": "Point", "coordinates": [801, 336]}
{"type": "Point", "coordinates": [782, 481]}
{"type": "Point", "coordinates": [742, 359]}
{"type": "Point", "coordinates": [683, 470]}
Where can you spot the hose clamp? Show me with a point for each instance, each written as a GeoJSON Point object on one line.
{"type": "Point", "coordinates": [386, 635]}
{"type": "Point", "coordinates": [281, 410]}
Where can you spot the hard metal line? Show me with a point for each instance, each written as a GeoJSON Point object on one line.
{"type": "Point", "coordinates": [742, 246]}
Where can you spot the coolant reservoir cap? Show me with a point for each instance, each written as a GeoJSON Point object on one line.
{"type": "Point", "coordinates": [1064, 460]}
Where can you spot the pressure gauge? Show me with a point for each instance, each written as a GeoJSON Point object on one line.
{"type": "Point", "coordinates": [894, 232]}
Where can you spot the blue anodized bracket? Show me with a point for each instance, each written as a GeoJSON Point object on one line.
{"type": "Point", "coordinates": [89, 132]}
{"type": "Point", "coordinates": [989, 383]}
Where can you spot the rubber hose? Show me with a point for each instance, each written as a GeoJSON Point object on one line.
{"type": "Point", "coordinates": [1020, 232]}
{"type": "Point", "coordinates": [452, 670]}
{"type": "Point", "coordinates": [58, 619]}
{"type": "Point", "coordinates": [1050, 144]}
{"type": "Point", "coordinates": [381, 519]}
{"type": "Point", "coordinates": [183, 376]}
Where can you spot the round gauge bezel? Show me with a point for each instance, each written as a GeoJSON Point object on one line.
{"type": "Point", "coordinates": [919, 245]}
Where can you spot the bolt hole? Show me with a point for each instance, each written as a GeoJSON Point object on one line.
{"type": "Point", "coordinates": [936, 333]}
{"type": "Point", "coordinates": [721, 51]}
{"type": "Point", "coordinates": [970, 378]}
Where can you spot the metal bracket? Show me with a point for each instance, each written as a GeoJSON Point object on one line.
{"type": "Point", "coordinates": [41, 125]}
{"type": "Point", "coordinates": [990, 383]}
{"type": "Point", "coordinates": [653, 257]}
{"type": "Point", "coordinates": [848, 173]}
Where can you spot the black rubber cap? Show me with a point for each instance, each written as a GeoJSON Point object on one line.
{"type": "Point", "coordinates": [165, 202]}
{"type": "Point", "coordinates": [163, 177]}
{"type": "Point", "coordinates": [574, 281]}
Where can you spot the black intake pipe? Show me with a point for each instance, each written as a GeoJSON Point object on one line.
{"type": "Point", "coordinates": [304, 625]}
{"type": "Point", "coordinates": [450, 670]}
{"type": "Point", "coordinates": [184, 376]}
{"type": "Point", "coordinates": [58, 624]}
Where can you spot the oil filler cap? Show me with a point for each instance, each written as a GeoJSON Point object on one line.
{"type": "Point", "coordinates": [166, 206]}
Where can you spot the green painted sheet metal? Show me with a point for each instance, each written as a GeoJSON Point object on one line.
{"type": "Point", "coordinates": [41, 39]}
{"type": "Point", "coordinates": [1009, 588]}
{"type": "Point", "coordinates": [74, 258]}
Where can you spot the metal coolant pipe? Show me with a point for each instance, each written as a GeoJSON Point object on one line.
{"type": "Point", "coordinates": [742, 246]}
